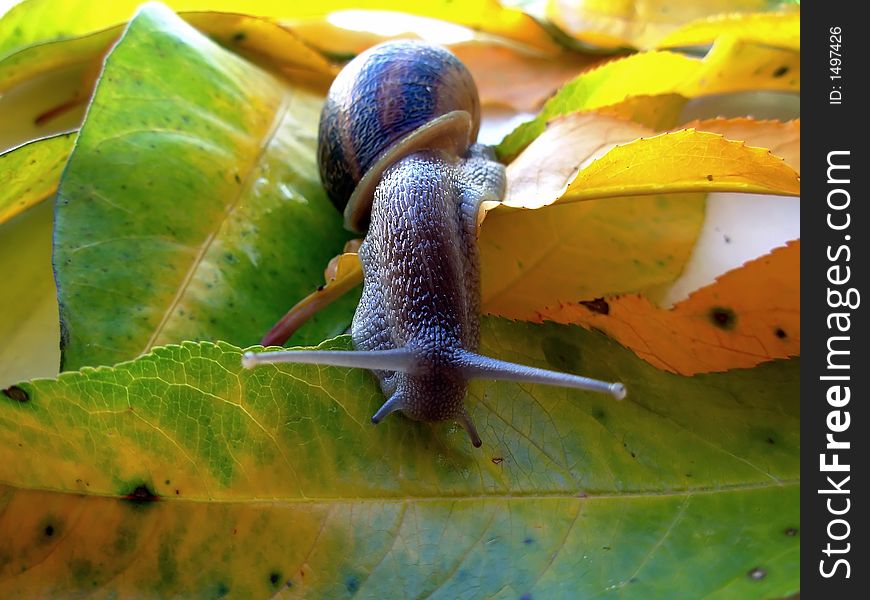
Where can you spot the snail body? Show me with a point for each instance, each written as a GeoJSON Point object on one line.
{"type": "Point", "coordinates": [396, 154]}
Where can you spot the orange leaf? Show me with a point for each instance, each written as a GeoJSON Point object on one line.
{"type": "Point", "coordinates": [747, 316]}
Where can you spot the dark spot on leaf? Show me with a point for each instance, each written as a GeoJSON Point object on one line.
{"type": "Point", "coordinates": [177, 493]}
{"type": "Point", "coordinates": [727, 239]}
{"type": "Point", "coordinates": [274, 578]}
{"type": "Point", "coordinates": [688, 475]}
{"type": "Point", "coordinates": [237, 178]}
{"type": "Point", "coordinates": [605, 547]}
{"type": "Point", "coordinates": [320, 288]}
{"type": "Point", "coordinates": [141, 495]}
{"type": "Point", "coordinates": [167, 482]}
{"type": "Point", "coordinates": [599, 305]}
{"type": "Point", "coordinates": [791, 531]}
{"type": "Point", "coordinates": [222, 590]}
{"type": "Point", "coordinates": [600, 415]}
{"type": "Point", "coordinates": [49, 530]}
{"type": "Point", "coordinates": [16, 393]}
{"type": "Point", "coordinates": [239, 36]}
{"type": "Point", "coordinates": [633, 580]}
{"type": "Point", "coordinates": [723, 318]}
{"type": "Point", "coordinates": [780, 71]}
{"type": "Point", "coordinates": [352, 584]}
{"type": "Point", "coordinates": [82, 569]}
{"type": "Point", "coordinates": [497, 460]}
{"type": "Point", "coordinates": [771, 441]}
{"type": "Point", "coordinates": [756, 574]}
{"type": "Point", "coordinates": [563, 355]}
{"type": "Point", "coordinates": [780, 333]}
{"type": "Point", "coordinates": [709, 178]}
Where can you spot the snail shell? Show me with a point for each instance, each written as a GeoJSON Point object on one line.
{"type": "Point", "coordinates": [394, 98]}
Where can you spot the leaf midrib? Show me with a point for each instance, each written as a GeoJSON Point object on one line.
{"type": "Point", "coordinates": [568, 495]}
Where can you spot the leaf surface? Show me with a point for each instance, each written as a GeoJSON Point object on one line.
{"type": "Point", "coordinates": [242, 475]}
{"type": "Point", "coordinates": [507, 76]}
{"type": "Point", "coordinates": [531, 259]}
{"type": "Point", "coordinates": [536, 261]}
{"type": "Point", "coordinates": [730, 66]}
{"type": "Point", "coordinates": [30, 173]}
{"type": "Point", "coordinates": [42, 20]}
{"type": "Point", "coordinates": [643, 23]}
{"type": "Point", "coordinates": [46, 87]}
{"type": "Point", "coordinates": [748, 316]}
{"type": "Point", "coordinates": [28, 302]}
{"type": "Point", "coordinates": [684, 161]}
{"type": "Point", "coordinates": [772, 29]}
{"type": "Point", "coordinates": [191, 207]}
{"type": "Point", "coordinates": [783, 139]}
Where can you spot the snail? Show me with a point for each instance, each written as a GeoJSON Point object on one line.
{"type": "Point", "coordinates": [397, 153]}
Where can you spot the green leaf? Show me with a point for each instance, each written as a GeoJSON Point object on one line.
{"type": "Point", "coordinates": [191, 208]}
{"type": "Point", "coordinates": [679, 491]}
{"type": "Point", "coordinates": [30, 173]}
{"type": "Point", "coordinates": [28, 302]}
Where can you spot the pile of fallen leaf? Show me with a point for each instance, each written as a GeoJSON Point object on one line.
{"type": "Point", "coordinates": [160, 209]}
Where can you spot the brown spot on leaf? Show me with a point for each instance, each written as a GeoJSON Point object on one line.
{"type": "Point", "coordinates": [141, 494]}
{"type": "Point", "coordinates": [497, 460]}
{"type": "Point", "coordinates": [709, 178]}
{"type": "Point", "coordinates": [781, 71]}
{"type": "Point", "coordinates": [16, 393]}
{"type": "Point", "coordinates": [780, 333]}
{"type": "Point", "coordinates": [723, 318]}
{"type": "Point", "coordinates": [599, 305]}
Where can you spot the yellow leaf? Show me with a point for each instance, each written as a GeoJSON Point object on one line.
{"type": "Point", "coordinates": [541, 173]}
{"type": "Point", "coordinates": [640, 23]}
{"type": "Point", "coordinates": [29, 327]}
{"type": "Point", "coordinates": [734, 65]}
{"type": "Point", "coordinates": [52, 101]}
{"type": "Point", "coordinates": [783, 139]}
{"type": "Point", "coordinates": [43, 20]}
{"type": "Point", "coordinates": [581, 250]}
{"type": "Point", "coordinates": [30, 173]}
{"type": "Point", "coordinates": [45, 89]}
{"type": "Point", "coordinates": [264, 42]}
{"type": "Point", "coordinates": [684, 161]}
{"type": "Point", "coordinates": [658, 112]}
{"type": "Point", "coordinates": [561, 163]}
{"type": "Point", "coordinates": [771, 29]}
{"type": "Point", "coordinates": [730, 66]}
{"type": "Point", "coordinates": [571, 251]}
{"type": "Point", "coordinates": [748, 316]}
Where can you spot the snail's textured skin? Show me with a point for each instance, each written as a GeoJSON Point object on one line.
{"type": "Point", "coordinates": [421, 286]}
{"type": "Point", "coordinates": [380, 97]}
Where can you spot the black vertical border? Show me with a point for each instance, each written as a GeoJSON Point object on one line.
{"type": "Point", "coordinates": [828, 127]}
